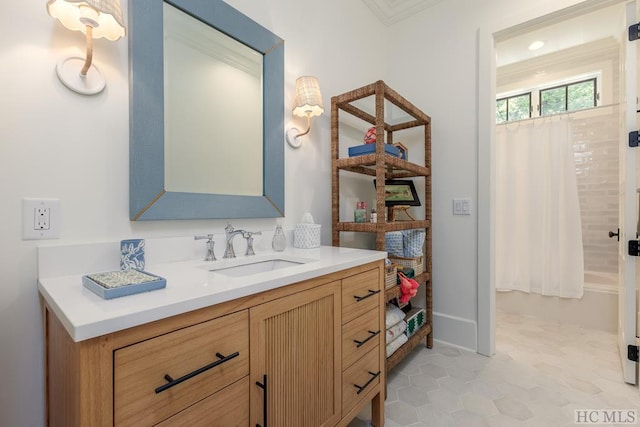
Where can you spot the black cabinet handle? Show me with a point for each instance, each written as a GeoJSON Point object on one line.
{"type": "Point", "coordinates": [361, 343]}
{"type": "Point", "coordinates": [373, 377]}
{"type": "Point", "coordinates": [370, 294]}
{"type": "Point", "coordinates": [263, 386]}
{"type": "Point", "coordinates": [171, 382]}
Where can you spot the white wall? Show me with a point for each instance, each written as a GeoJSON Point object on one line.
{"type": "Point", "coordinates": [54, 143]}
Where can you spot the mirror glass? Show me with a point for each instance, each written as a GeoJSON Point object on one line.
{"type": "Point", "coordinates": [203, 135]}
{"type": "Point", "coordinates": [207, 112]}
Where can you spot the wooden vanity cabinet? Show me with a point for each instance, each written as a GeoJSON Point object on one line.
{"type": "Point", "coordinates": [306, 354]}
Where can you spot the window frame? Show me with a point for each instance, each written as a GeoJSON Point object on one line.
{"type": "Point", "coordinates": [536, 96]}
{"type": "Point", "coordinates": [566, 95]}
{"type": "Point", "coordinates": [517, 95]}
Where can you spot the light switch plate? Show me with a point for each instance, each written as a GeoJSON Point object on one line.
{"type": "Point", "coordinates": [40, 219]}
{"type": "Point", "coordinates": [462, 206]}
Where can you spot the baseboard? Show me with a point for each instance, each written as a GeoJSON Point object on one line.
{"type": "Point", "coordinates": [455, 331]}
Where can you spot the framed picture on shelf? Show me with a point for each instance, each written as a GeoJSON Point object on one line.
{"type": "Point", "coordinates": [400, 192]}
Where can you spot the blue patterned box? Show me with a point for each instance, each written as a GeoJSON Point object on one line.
{"type": "Point", "coordinates": [114, 284]}
{"type": "Point", "coordinates": [132, 254]}
{"type": "Point", "coordinates": [413, 241]}
{"type": "Point", "coordinates": [394, 243]}
{"type": "Point", "coordinates": [360, 150]}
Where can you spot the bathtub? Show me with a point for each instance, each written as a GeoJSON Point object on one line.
{"type": "Point", "coordinates": [597, 309]}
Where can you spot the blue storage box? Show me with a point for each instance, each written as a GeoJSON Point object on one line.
{"type": "Point", "coordinates": [360, 150]}
{"type": "Point", "coordinates": [113, 284]}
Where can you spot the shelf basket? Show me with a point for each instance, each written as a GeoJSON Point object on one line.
{"type": "Point", "coordinates": [416, 263]}
{"type": "Point", "coordinates": [390, 275]}
{"type": "Point", "coordinates": [415, 318]}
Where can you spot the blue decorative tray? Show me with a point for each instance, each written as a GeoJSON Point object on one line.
{"type": "Point", "coordinates": [114, 284]}
{"type": "Point", "coordinates": [360, 150]}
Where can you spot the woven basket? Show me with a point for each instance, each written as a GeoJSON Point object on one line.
{"type": "Point", "coordinates": [390, 276]}
{"type": "Point", "coordinates": [416, 263]}
{"type": "Point", "coordinates": [415, 319]}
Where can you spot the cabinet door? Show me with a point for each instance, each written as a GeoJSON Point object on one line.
{"type": "Point", "coordinates": [295, 350]}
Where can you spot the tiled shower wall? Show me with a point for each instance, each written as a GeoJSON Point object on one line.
{"type": "Point", "coordinates": [595, 140]}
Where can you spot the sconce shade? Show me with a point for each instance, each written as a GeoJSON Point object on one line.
{"type": "Point", "coordinates": [104, 16]}
{"type": "Point", "coordinates": [308, 99]}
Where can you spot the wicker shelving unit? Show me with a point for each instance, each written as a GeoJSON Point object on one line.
{"type": "Point", "coordinates": [382, 166]}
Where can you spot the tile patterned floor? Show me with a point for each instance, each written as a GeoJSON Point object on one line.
{"type": "Point", "coordinates": [542, 371]}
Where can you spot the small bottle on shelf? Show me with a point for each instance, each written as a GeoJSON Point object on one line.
{"type": "Point", "coordinates": [374, 215]}
{"type": "Point", "coordinates": [360, 213]}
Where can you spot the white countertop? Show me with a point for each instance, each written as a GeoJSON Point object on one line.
{"type": "Point", "coordinates": [190, 286]}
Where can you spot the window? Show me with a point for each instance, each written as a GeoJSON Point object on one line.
{"type": "Point", "coordinates": [516, 107]}
{"type": "Point", "coordinates": [568, 97]}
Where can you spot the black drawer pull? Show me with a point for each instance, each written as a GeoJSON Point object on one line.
{"type": "Point", "coordinates": [370, 294]}
{"type": "Point", "coordinates": [171, 382]}
{"type": "Point", "coordinates": [361, 343]}
{"type": "Point", "coordinates": [373, 377]}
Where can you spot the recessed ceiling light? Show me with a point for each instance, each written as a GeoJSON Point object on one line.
{"type": "Point", "coordinates": [536, 45]}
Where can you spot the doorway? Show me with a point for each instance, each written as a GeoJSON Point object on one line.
{"type": "Point", "coordinates": [510, 82]}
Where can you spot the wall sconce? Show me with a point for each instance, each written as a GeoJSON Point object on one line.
{"type": "Point", "coordinates": [95, 18]}
{"type": "Point", "coordinates": [307, 103]}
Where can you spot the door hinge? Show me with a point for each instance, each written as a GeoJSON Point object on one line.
{"type": "Point", "coordinates": [634, 32]}
{"type": "Point", "coordinates": [632, 353]}
{"type": "Point", "coordinates": [634, 139]}
{"type": "Point", "coordinates": [634, 248]}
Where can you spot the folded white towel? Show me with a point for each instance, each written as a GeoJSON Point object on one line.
{"type": "Point", "coordinates": [397, 329]}
{"type": "Point", "coordinates": [394, 315]}
{"type": "Point", "coordinates": [396, 344]}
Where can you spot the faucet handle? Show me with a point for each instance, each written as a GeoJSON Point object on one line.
{"type": "Point", "coordinates": [248, 235]}
{"type": "Point", "coordinates": [211, 256]}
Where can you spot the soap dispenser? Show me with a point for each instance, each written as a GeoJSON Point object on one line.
{"type": "Point", "coordinates": [279, 242]}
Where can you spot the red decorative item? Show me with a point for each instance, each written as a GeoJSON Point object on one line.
{"type": "Point", "coordinates": [408, 288]}
{"type": "Point", "coordinates": [370, 136]}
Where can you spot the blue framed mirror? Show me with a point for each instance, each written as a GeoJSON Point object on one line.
{"type": "Point", "coordinates": [206, 112]}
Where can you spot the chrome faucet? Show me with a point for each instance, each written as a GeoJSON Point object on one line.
{"type": "Point", "coordinates": [230, 234]}
{"type": "Point", "coordinates": [248, 235]}
{"type": "Point", "coordinates": [210, 255]}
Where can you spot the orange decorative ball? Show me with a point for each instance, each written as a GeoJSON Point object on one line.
{"type": "Point", "coordinates": [370, 136]}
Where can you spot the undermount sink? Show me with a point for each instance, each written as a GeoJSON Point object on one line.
{"type": "Point", "coordinates": [258, 266]}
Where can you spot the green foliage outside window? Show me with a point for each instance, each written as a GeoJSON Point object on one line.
{"type": "Point", "coordinates": [569, 97]}
{"type": "Point", "coordinates": [520, 107]}
{"type": "Point", "coordinates": [516, 107]}
{"type": "Point", "coordinates": [501, 110]}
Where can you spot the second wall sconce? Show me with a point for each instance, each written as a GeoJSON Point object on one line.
{"type": "Point", "coordinates": [307, 103]}
{"type": "Point", "coordinates": [95, 18]}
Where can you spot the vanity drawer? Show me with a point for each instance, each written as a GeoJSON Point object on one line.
{"type": "Point", "coordinates": [365, 374]}
{"type": "Point", "coordinates": [359, 336]}
{"type": "Point", "coordinates": [360, 293]}
{"type": "Point", "coordinates": [199, 360]}
{"type": "Point", "coordinates": [227, 408]}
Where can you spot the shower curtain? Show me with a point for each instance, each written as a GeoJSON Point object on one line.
{"type": "Point", "coordinates": [538, 227]}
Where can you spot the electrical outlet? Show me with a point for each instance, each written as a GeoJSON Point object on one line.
{"type": "Point", "coordinates": [40, 219]}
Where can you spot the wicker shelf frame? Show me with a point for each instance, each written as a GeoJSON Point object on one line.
{"type": "Point", "coordinates": [383, 166]}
